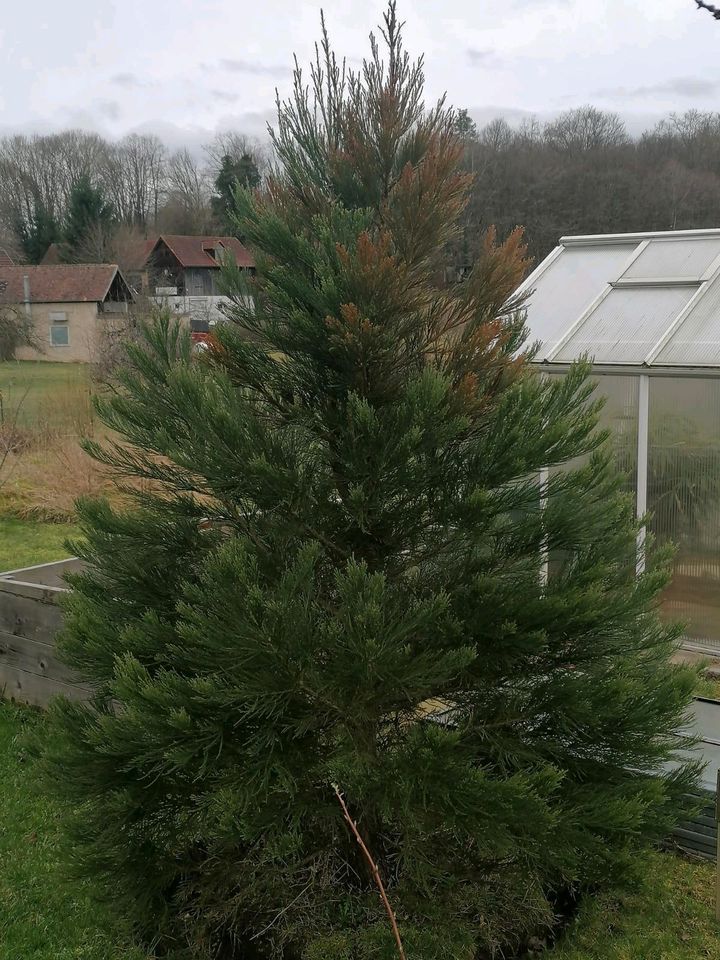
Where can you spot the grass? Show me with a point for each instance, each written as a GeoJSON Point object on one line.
{"type": "Point", "coordinates": [669, 916]}
{"type": "Point", "coordinates": [709, 686]}
{"type": "Point", "coordinates": [52, 394]}
{"type": "Point", "coordinates": [43, 915]}
{"type": "Point", "coordinates": [45, 408]}
{"type": "Point", "coordinates": [24, 543]}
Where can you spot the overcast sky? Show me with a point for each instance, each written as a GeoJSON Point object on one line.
{"type": "Point", "coordinates": [185, 68]}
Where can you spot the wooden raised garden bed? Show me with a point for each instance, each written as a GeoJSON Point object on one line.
{"type": "Point", "coordinates": [29, 621]}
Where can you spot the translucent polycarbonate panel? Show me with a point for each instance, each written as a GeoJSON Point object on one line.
{"type": "Point", "coordinates": [696, 342]}
{"type": "Point", "coordinates": [567, 288]}
{"type": "Point", "coordinates": [627, 324]}
{"type": "Point", "coordinates": [619, 416]}
{"type": "Point", "coordinates": [664, 259]}
{"type": "Point", "coordinates": [684, 497]}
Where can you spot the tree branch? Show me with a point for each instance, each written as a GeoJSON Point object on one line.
{"type": "Point", "coordinates": [374, 870]}
{"type": "Point", "coordinates": [715, 11]}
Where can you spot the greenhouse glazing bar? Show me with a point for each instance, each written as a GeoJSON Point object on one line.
{"type": "Point", "coordinates": [642, 463]}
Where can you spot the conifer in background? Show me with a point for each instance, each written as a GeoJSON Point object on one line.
{"type": "Point", "coordinates": [341, 569]}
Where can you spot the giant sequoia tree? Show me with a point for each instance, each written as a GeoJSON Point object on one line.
{"type": "Point", "coordinates": [342, 569]}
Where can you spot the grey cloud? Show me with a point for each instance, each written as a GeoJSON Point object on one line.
{"type": "Point", "coordinates": [125, 80]}
{"type": "Point", "coordinates": [679, 86]}
{"type": "Point", "coordinates": [225, 96]}
{"type": "Point", "coordinates": [109, 109]}
{"type": "Point", "coordinates": [252, 66]}
{"type": "Point", "coordinates": [479, 58]}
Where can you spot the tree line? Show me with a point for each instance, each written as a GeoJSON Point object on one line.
{"type": "Point", "coordinates": [579, 173]}
{"type": "Point", "coordinates": [583, 173]}
{"type": "Point", "coordinates": [94, 197]}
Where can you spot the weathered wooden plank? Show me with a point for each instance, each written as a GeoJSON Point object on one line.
{"type": "Point", "coordinates": [30, 688]}
{"type": "Point", "coordinates": [705, 821]}
{"type": "Point", "coordinates": [35, 591]}
{"type": "Point", "coordinates": [46, 574]}
{"type": "Point", "coordinates": [698, 841]}
{"type": "Point", "coordinates": [703, 829]}
{"type": "Point", "coordinates": [33, 656]}
{"type": "Point", "coordinates": [25, 616]}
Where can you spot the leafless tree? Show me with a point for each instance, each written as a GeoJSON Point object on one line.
{"type": "Point", "coordinates": [187, 208]}
{"type": "Point", "coordinates": [16, 330]}
{"type": "Point", "coordinates": [230, 143]}
{"type": "Point", "coordinates": [497, 135]}
{"type": "Point", "coordinates": [586, 128]}
{"type": "Point", "coordinates": [42, 169]}
{"type": "Point", "coordinates": [97, 246]}
{"type": "Point", "coordinates": [133, 177]}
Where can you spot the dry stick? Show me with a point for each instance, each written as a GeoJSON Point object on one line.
{"type": "Point", "coordinates": [373, 869]}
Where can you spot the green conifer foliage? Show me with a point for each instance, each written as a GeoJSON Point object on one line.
{"type": "Point", "coordinates": [333, 573]}
{"type": "Point", "coordinates": [37, 234]}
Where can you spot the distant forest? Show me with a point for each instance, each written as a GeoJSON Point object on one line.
{"type": "Point", "coordinates": [580, 173]}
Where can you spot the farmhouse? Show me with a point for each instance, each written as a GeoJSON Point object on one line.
{"type": "Point", "coordinates": [182, 273]}
{"type": "Point", "coordinates": [645, 307]}
{"type": "Point", "coordinates": [191, 265]}
{"type": "Point", "coordinates": [70, 305]}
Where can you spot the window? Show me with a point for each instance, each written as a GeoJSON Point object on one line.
{"type": "Point", "coordinates": [59, 329]}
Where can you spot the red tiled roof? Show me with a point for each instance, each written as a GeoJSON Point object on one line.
{"type": "Point", "coordinates": [194, 251]}
{"type": "Point", "coordinates": [5, 259]}
{"type": "Point", "coordinates": [135, 257]}
{"type": "Point", "coordinates": [58, 283]}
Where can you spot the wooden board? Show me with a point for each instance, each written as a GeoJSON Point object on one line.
{"type": "Point", "coordinates": [46, 574]}
{"type": "Point", "coordinates": [30, 688]}
{"type": "Point", "coordinates": [34, 618]}
{"type": "Point", "coordinates": [30, 618]}
{"type": "Point", "coordinates": [32, 656]}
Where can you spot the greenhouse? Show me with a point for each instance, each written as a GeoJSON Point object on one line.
{"type": "Point", "coordinates": [645, 308]}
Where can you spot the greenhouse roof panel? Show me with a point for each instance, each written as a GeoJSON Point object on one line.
{"type": "Point", "coordinates": [662, 259]}
{"type": "Point", "coordinates": [696, 342]}
{"type": "Point", "coordinates": [627, 324]}
{"type": "Point", "coordinates": [629, 299]}
{"type": "Point", "coordinates": [568, 287]}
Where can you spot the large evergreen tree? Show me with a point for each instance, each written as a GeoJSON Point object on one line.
{"type": "Point", "coordinates": [343, 568]}
{"type": "Point", "coordinates": [37, 234]}
{"type": "Point", "coordinates": [89, 222]}
{"type": "Point", "coordinates": [234, 172]}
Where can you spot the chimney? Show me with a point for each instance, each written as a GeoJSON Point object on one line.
{"type": "Point", "coordinates": [26, 295]}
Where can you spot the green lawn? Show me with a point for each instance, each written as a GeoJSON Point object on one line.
{"type": "Point", "coordinates": [45, 393]}
{"type": "Point", "coordinates": [43, 916]}
{"type": "Point", "coordinates": [25, 542]}
{"type": "Point", "coordinates": [668, 916]}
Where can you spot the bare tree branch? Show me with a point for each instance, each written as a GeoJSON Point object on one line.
{"type": "Point", "coordinates": [373, 869]}
{"type": "Point", "coordinates": [715, 11]}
